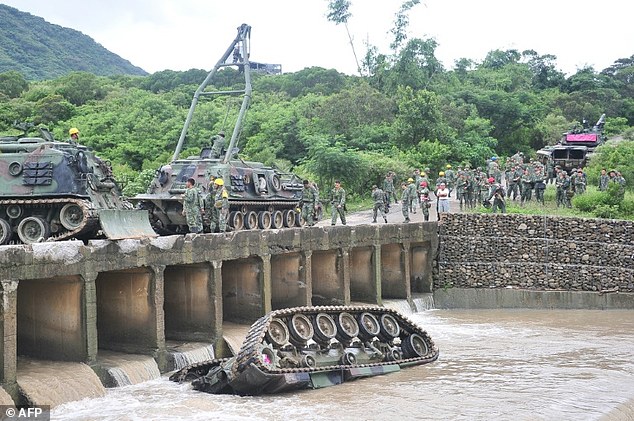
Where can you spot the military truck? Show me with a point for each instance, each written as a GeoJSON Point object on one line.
{"type": "Point", "coordinates": [260, 197]}
{"type": "Point", "coordinates": [56, 190]}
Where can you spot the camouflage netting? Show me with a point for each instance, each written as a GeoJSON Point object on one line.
{"type": "Point", "coordinates": [536, 252]}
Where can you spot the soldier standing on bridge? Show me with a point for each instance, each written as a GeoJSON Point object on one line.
{"type": "Point", "coordinates": [405, 199]}
{"type": "Point", "coordinates": [191, 207]}
{"type": "Point", "coordinates": [308, 203]}
{"type": "Point", "coordinates": [378, 196]}
{"type": "Point", "coordinates": [217, 203]}
{"type": "Point", "coordinates": [338, 202]}
{"type": "Point", "coordinates": [604, 180]}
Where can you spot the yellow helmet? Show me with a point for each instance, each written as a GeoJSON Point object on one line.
{"type": "Point", "coordinates": [219, 182]}
{"type": "Point", "coordinates": [441, 173]}
{"type": "Point", "coordinates": [73, 130]}
{"type": "Point", "coordinates": [409, 180]}
{"type": "Point", "coordinates": [448, 166]}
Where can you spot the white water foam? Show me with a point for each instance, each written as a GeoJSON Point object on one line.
{"type": "Point", "coordinates": [182, 355]}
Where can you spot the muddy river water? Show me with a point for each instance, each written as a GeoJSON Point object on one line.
{"type": "Point", "coordinates": [493, 365]}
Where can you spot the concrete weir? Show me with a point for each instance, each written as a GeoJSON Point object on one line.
{"type": "Point", "coordinates": [110, 305]}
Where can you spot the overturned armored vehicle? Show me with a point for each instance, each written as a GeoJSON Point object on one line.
{"type": "Point", "coordinates": [259, 196]}
{"type": "Point", "coordinates": [55, 190]}
{"type": "Point", "coordinates": [314, 347]}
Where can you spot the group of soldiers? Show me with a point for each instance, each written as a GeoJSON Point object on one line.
{"type": "Point", "coordinates": [309, 203]}
{"type": "Point", "coordinates": [214, 206]}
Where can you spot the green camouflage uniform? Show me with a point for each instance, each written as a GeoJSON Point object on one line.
{"type": "Point", "coordinates": [405, 200]}
{"type": "Point", "coordinates": [378, 196]}
{"type": "Point", "coordinates": [425, 202]}
{"type": "Point", "coordinates": [192, 209]}
{"type": "Point", "coordinates": [219, 208]}
{"type": "Point", "coordinates": [338, 202]}
{"type": "Point", "coordinates": [308, 203]}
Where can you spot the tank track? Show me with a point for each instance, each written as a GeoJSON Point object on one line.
{"type": "Point", "coordinates": [89, 222]}
{"type": "Point", "coordinates": [250, 352]}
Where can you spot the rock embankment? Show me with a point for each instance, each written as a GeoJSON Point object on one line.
{"type": "Point", "coordinates": [532, 251]}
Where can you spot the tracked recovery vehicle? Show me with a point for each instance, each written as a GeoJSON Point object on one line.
{"type": "Point", "coordinates": [314, 347]}
{"type": "Point", "coordinates": [259, 196]}
{"type": "Point", "coordinates": [53, 190]}
{"type": "Point", "coordinates": [575, 147]}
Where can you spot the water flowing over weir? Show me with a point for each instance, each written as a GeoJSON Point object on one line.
{"type": "Point", "coordinates": [55, 382]}
{"type": "Point", "coordinates": [184, 354]}
{"type": "Point", "coordinates": [502, 365]}
{"type": "Point", "coordinates": [118, 369]}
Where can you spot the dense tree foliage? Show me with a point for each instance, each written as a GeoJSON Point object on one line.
{"type": "Point", "coordinates": [40, 50]}
{"type": "Point", "coordinates": [407, 111]}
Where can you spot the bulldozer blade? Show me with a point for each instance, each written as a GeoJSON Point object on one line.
{"type": "Point", "coordinates": [119, 224]}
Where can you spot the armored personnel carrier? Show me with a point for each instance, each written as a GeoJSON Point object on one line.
{"type": "Point", "coordinates": [314, 347]}
{"type": "Point", "coordinates": [53, 190]}
{"type": "Point", "coordinates": [259, 196]}
{"type": "Point", "coordinates": [575, 147]}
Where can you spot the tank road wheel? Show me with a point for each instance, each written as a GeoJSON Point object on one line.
{"type": "Point", "coordinates": [309, 361]}
{"type": "Point", "coordinates": [268, 357]}
{"type": "Point", "coordinates": [348, 358]}
{"type": "Point", "coordinates": [71, 216]}
{"type": "Point", "coordinates": [289, 218]}
{"type": "Point", "coordinates": [301, 330]}
{"type": "Point", "coordinates": [251, 220]}
{"type": "Point", "coordinates": [347, 327]}
{"type": "Point", "coordinates": [389, 328]}
{"type": "Point", "coordinates": [414, 346]}
{"type": "Point", "coordinates": [299, 221]}
{"type": "Point", "coordinates": [14, 211]}
{"type": "Point", "coordinates": [236, 220]}
{"type": "Point", "coordinates": [5, 232]}
{"type": "Point", "coordinates": [33, 229]}
{"type": "Point", "coordinates": [325, 328]}
{"type": "Point", "coordinates": [368, 326]}
{"type": "Point", "coordinates": [277, 221]}
{"type": "Point", "coordinates": [277, 333]}
{"type": "Point", "coordinates": [264, 220]}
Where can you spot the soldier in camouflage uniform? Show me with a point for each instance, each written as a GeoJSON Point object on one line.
{"type": "Point", "coordinates": [378, 196]}
{"type": "Point", "coordinates": [461, 189]}
{"type": "Point", "coordinates": [405, 200]}
{"type": "Point", "coordinates": [388, 188]}
{"type": "Point", "coordinates": [451, 178]}
{"type": "Point", "coordinates": [425, 200]}
{"type": "Point", "coordinates": [338, 202]}
{"type": "Point", "coordinates": [308, 203]}
{"type": "Point", "coordinates": [579, 182]}
{"type": "Point", "coordinates": [218, 145]}
{"type": "Point", "coordinates": [217, 205]}
{"type": "Point", "coordinates": [412, 194]}
{"type": "Point", "coordinates": [604, 180]}
{"type": "Point", "coordinates": [527, 186]}
{"type": "Point", "coordinates": [191, 207]}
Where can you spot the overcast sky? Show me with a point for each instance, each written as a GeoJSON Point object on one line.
{"type": "Point", "coordinates": [182, 34]}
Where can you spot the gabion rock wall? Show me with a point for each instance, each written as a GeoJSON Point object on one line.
{"type": "Point", "coordinates": [537, 252]}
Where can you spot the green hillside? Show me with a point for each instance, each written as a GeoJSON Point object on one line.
{"type": "Point", "coordinates": [41, 50]}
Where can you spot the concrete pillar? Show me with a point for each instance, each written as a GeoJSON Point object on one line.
{"type": "Point", "coordinates": [306, 276]}
{"type": "Point", "coordinates": [267, 299]}
{"type": "Point", "coordinates": [90, 316]}
{"type": "Point", "coordinates": [345, 268]}
{"type": "Point", "coordinates": [157, 302]}
{"type": "Point", "coordinates": [8, 336]}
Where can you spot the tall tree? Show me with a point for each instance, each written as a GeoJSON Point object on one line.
{"type": "Point", "coordinates": [340, 13]}
{"type": "Point", "coordinates": [401, 22]}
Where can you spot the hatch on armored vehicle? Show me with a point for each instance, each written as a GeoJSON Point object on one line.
{"type": "Point", "coordinates": [260, 197]}
{"type": "Point", "coordinates": [54, 190]}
